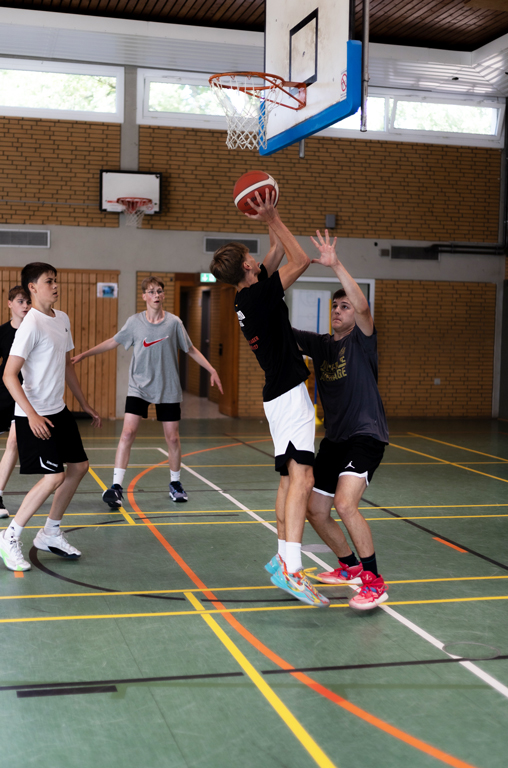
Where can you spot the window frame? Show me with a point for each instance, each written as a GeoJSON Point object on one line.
{"type": "Point", "coordinates": [68, 68]}
{"type": "Point", "coordinates": [184, 119]}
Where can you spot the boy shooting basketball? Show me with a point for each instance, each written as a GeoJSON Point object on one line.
{"type": "Point", "coordinates": [156, 336]}
{"type": "Point", "coordinates": [46, 431]}
{"type": "Point", "coordinates": [19, 305]}
{"type": "Point", "coordinates": [264, 321]}
{"type": "Point", "coordinates": [356, 431]}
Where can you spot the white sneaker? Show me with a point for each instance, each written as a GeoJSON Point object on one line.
{"type": "Point", "coordinates": [57, 544]}
{"type": "Point", "coordinates": [10, 552]}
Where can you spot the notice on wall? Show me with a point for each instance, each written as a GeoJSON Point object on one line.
{"type": "Point", "coordinates": [311, 310]}
{"type": "Point", "coordinates": [107, 290]}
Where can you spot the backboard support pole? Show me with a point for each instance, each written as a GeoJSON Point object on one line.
{"type": "Point", "coordinates": [365, 63]}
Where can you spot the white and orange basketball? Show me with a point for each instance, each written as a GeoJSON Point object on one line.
{"type": "Point", "coordinates": [250, 183]}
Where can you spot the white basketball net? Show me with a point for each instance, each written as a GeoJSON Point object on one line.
{"type": "Point", "coordinates": [247, 100]}
{"type": "Point", "coordinates": [134, 209]}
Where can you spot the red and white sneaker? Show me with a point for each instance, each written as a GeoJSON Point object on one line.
{"type": "Point", "coordinates": [344, 574]}
{"type": "Point", "coordinates": [372, 594]}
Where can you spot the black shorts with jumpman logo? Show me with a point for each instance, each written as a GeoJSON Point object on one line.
{"type": "Point", "coordinates": [359, 456]}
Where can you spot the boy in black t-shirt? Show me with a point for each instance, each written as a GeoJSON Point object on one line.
{"type": "Point", "coordinates": [356, 431]}
{"type": "Point", "coordinates": [19, 304]}
{"type": "Point", "coordinates": [264, 321]}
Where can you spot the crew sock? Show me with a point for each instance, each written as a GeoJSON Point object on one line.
{"type": "Point", "coordinates": [118, 476]}
{"type": "Point", "coordinates": [281, 548]}
{"type": "Point", "coordinates": [293, 556]}
{"type": "Point", "coordinates": [175, 476]}
{"type": "Point", "coordinates": [14, 530]}
{"type": "Point", "coordinates": [350, 560]}
{"type": "Point", "coordinates": [369, 564]}
{"type": "Point", "coordinates": [52, 527]}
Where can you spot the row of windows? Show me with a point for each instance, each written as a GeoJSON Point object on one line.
{"type": "Point", "coordinates": [87, 92]}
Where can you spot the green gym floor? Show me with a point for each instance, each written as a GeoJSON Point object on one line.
{"type": "Point", "coordinates": [166, 646]}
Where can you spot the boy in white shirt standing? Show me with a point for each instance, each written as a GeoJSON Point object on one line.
{"type": "Point", "coordinates": [46, 431]}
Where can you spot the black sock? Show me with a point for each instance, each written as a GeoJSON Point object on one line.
{"type": "Point", "coordinates": [369, 564]}
{"type": "Point", "coordinates": [350, 560]}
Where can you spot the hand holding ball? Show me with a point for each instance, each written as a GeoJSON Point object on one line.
{"type": "Point", "coordinates": [251, 182]}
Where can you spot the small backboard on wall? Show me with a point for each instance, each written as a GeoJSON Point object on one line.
{"type": "Point", "coordinates": [118, 185]}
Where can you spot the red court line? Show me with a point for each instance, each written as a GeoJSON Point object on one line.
{"type": "Point", "coordinates": [453, 546]}
{"type": "Point", "coordinates": [397, 733]}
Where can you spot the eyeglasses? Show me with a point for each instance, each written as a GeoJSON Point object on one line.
{"type": "Point", "coordinates": [155, 293]}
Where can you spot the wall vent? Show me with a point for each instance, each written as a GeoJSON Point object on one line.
{"type": "Point", "coordinates": [431, 253]}
{"type": "Point", "coordinates": [212, 243]}
{"type": "Point", "coordinates": [24, 238]}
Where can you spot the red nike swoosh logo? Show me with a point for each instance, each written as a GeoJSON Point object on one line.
{"type": "Point", "coordinates": [149, 343]}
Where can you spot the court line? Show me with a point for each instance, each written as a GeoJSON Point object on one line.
{"type": "Point", "coordinates": [377, 722]}
{"type": "Point", "coordinates": [104, 488]}
{"type": "Point", "coordinates": [450, 463]}
{"type": "Point", "coordinates": [449, 544]}
{"type": "Point", "coordinates": [460, 447]}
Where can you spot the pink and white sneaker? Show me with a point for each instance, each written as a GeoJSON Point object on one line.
{"type": "Point", "coordinates": [372, 594]}
{"type": "Point", "coordinates": [344, 574]}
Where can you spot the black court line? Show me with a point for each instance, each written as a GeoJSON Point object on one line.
{"type": "Point", "coordinates": [248, 445]}
{"type": "Point", "coordinates": [435, 533]}
{"type": "Point", "coordinates": [67, 691]}
{"type": "Point", "coordinates": [89, 685]}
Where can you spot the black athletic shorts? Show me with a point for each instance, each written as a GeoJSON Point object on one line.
{"type": "Point", "coordinates": [46, 457]}
{"type": "Point", "coordinates": [164, 411]}
{"type": "Point", "coordinates": [360, 456]}
{"type": "Point", "coordinates": [6, 417]}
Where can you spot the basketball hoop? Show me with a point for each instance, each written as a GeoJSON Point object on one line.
{"type": "Point", "coordinates": [134, 209]}
{"type": "Point", "coordinates": [247, 99]}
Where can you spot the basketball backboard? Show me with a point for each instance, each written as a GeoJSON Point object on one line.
{"type": "Point", "coordinates": [308, 41]}
{"type": "Point", "coordinates": [122, 184]}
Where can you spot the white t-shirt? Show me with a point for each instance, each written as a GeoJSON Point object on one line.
{"type": "Point", "coordinates": [43, 344]}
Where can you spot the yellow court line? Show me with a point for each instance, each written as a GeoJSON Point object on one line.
{"type": "Point", "coordinates": [219, 611]}
{"type": "Point", "coordinates": [185, 592]}
{"type": "Point", "coordinates": [305, 739]}
{"type": "Point", "coordinates": [193, 600]}
{"type": "Point", "coordinates": [460, 447]}
{"type": "Point", "coordinates": [450, 463]}
{"type": "Point", "coordinates": [104, 488]}
{"type": "Point", "coordinates": [433, 517]}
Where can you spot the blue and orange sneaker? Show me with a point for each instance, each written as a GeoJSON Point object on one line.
{"type": "Point", "coordinates": [297, 585]}
{"type": "Point", "coordinates": [274, 564]}
{"type": "Point", "coordinates": [372, 594]}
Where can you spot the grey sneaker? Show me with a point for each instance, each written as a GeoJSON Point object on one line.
{"type": "Point", "coordinates": [176, 492]}
{"type": "Point", "coordinates": [10, 552]}
{"type": "Point", "coordinates": [3, 511]}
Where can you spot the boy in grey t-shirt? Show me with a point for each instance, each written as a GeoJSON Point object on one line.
{"type": "Point", "coordinates": [156, 336]}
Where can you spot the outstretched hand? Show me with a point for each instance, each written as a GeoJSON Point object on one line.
{"type": "Point", "coordinates": [263, 210]}
{"type": "Point", "coordinates": [328, 257]}
{"type": "Point", "coordinates": [214, 379]}
{"type": "Point", "coordinates": [77, 358]}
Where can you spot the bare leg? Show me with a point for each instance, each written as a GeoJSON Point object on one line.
{"type": "Point", "coordinates": [172, 435]}
{"type": "Point", "coordinates": [9, 458]}
{"type": "Point", "coordinates": [73, 476]}
{"type": "Point", "coordinates": [280, 506]}
{"type": "Point", "coordinates": [326, 528]}
{"type": "Point", "coordinates": [36, 497]}
{"type": "Point", "coordinates": [301, 480]}
{"type": "Point", "coordinates": [131, 424]}
{"type": "Point", "coordinates": [347, 498]}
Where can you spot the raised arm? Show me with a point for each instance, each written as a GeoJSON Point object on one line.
{"type": "Point", "coordinates": [104, 346]}
{"type": "Point", "coordinates": [328, 258]}
{"type": "Point", "coordinates": [274, 256]}
{"type": "Point", "coordinates": [203, 362]}
{"type": "Point", "coordinates": [298, 261]}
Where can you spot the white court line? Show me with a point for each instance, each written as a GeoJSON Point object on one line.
{"type": "Point", "coordinates": [486, 678]}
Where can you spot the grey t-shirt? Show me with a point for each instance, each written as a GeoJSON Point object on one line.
{"type": "Point", "coordinates": [153, 374]}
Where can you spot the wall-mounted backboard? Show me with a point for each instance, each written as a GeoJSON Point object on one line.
{"type": "Point", "coordinates": [121, 184]}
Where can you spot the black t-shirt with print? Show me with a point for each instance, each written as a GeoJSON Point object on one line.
{"type": "Point", "coordinates": [346, 373]}
{"type": "Point", "coordinates": [7, 334]}
{"type": "Point", "coordinates": [264, 320]}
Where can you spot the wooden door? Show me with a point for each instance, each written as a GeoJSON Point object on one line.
{"type": "Point", "coordinates": [228, 351]}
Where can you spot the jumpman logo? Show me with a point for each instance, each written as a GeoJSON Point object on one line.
{"type": "Point", "coordinates": [350, 465]}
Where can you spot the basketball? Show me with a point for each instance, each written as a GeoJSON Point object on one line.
{"type": "Point", "coordinates": [250, 183]}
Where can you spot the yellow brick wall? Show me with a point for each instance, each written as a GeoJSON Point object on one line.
{"type": "Point", "coordinates": [50, 171]}
{"type": "Point", "coordinates": [426, 330]}
{"type": "Point", "coordinates": [377, 189]}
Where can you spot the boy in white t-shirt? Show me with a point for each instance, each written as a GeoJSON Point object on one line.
{"type": "Point", "coordinates": [46, 431]}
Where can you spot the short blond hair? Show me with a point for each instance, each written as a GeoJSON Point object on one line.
{"type": "Point", "coordinates": [152, 280]}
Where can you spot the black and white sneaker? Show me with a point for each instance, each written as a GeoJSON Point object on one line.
{"type": "Point", "coordinates": [113, 496]}
{"type": "Point", "coordinates": [3, 511]}
{"type": "Point", "coordinates": [176, 492]}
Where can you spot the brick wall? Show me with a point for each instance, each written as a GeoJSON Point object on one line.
{"type": "Point", "coordinates": [426, 330]}
{"type": "Point", "coordinates": [377, 189]}
{"type": "Point", "coordinates": [50, 171]}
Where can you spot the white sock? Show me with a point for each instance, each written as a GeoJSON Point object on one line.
{"type": "Point", "coordinates": [14, 530]}
{"type": "Point", "coordinates": [282, 548]}
{"type": "Point", "coordinates": [118, 476]}
{"type": "Point", "coordinates": [175, 476]}
{"type": "Point", "coordinates": [293, 556]}
{"type": "Point", "coordinates": [52, 527]}
{"type": "Point", "coordinates": [1, 493]}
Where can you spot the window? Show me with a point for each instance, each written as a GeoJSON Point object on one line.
{"type": "Point", "coordinates": [66, 91]}
{"type": "Point", "coordinates": [180, 98]}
